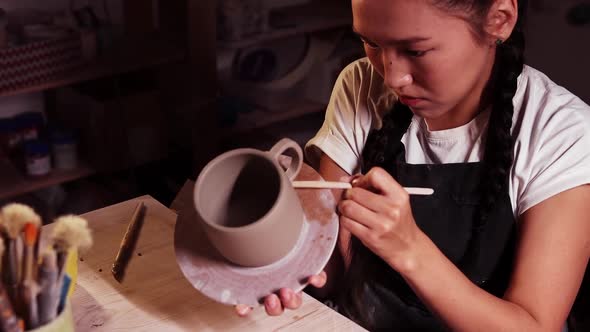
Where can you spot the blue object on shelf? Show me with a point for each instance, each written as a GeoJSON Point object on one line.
{"type": "Point", "coordinates": [36, 147]}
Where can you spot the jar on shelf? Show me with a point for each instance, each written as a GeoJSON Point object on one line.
{"type": "Point", "coordinates": [9, 137]}
{"type": "Point", "coordinates": [37, 158]}
{"type": "Point", "coordinates": [65, 150]}
{"type": "Point", "coordinates": [30, 125]}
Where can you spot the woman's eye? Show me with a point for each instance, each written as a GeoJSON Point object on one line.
{"type": "Point", "coordinates": [415, 53]}
{"type": "Point", "coordinates": [370, 45]}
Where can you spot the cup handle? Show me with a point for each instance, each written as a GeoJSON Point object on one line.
{"type": "Point", "coordinates": [293, 150]}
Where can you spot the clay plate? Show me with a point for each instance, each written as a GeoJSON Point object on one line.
{"type": "Point", "coordinates": [225, 282]}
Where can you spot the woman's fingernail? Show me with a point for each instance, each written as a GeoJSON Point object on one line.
{"type": "Point", "coordinates": [272, 302]}
{"type": "Point", "coordinates": [347, 193]}
{"type": "Point", "coordinates": [242, 309]}
{"type": "Point", "coordinates": [288, 295]}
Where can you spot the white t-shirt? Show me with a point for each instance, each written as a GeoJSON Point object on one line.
{"type": "Point", "coordinates": [551, 127]}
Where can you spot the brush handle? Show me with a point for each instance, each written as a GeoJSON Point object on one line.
{"type": "Point", "coordinates": [10, 272]}
{"type": "Point", "coordinates": [30, 291]}
{"type": "Point", "coordinates": [28, 259]}
{"type": "Point", "coordinates": [6, 261]}
{"type": "Point", "coordinates": [8, 320]}
{"type": "Point", "coordinates": [62, 257]}
{"type": "Point", "coordinates": [47, 300]}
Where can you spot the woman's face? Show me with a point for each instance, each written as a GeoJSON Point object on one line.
{"type": "Point", "coordinates": [428, 57]}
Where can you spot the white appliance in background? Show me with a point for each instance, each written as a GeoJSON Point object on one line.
{"type": "Point", "coordinates": [280, 74]}
{"type": "Point", "coordinates": [239, 19]}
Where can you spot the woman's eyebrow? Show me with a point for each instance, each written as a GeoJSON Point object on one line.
{"type": "Point", "coordinates": [409, 40]}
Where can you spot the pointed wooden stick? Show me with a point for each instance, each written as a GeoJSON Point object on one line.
{"type": "Point", "coordinates": [129, 242]}
{"type": "Point", "coordinates": [346, 185]}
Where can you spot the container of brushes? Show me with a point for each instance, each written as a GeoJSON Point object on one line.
{"type": "Point", "coordinates": [64, 322]}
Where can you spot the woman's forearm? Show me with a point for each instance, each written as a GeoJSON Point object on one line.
{"type": "Point", "coordinates": [463, 306]}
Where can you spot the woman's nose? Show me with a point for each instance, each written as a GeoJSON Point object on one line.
{"type": "Point", "coordinates": [397, 75]}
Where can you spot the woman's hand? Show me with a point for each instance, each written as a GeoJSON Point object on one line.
{"type": "Point", "coordinates": [377, 211]}
{"type": "Point", "coordinates": [275, 304]}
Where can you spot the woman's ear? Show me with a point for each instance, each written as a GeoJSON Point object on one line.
{"type": "Point", "coordinates": [501, 20]}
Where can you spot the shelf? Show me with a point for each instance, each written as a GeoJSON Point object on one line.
{"type": "Point", "coordinates": [308, 18]}
{"type": "Point", "coordinates": [261, 118]}
{"type": "Point", "coordinates": [15, 182]}
{"type": "Point", "coordinates": [133, 55]}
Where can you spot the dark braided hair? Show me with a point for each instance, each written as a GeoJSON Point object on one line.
{"type": "Point", "coordinates": [497, 160]}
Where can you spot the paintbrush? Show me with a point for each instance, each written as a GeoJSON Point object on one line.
{"type": "Point", "coordinates": [70, 233]}
{"type": "Point", "coordinates": [14, 216]}
{"type": "Point", "coordinates": [30, 239]}
{"type": "Point", "coordinates": [30, 290]}
{"type": "Point", "coordinates": [128, 242]}
{"type": "Point", "coordinates": [8, 320]}
{"type": "Point", "coordinates": [48, 298]}
{"type": "Point", "coordinates": [29, 287]}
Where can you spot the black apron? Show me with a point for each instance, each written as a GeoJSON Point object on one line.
{"type": "Point", "coordinates": [448, 218]}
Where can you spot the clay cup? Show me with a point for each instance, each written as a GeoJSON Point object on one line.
{"type": "Point", "coordinates": [247, 206]}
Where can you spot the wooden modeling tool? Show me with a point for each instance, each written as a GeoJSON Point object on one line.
{"type": "Point", "coordinates": [129, 242]}
{"type": "Point", "coordinates": [346, 185]}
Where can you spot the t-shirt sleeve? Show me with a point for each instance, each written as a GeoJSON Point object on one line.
{"type": "Point", "coordinates": [558, 158]}
{"type": "Point", "coordinates": [338, 136]}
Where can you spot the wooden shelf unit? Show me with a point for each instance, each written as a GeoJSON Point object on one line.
{"type": "Point", "coordinates": [16, 182]}
{"type": "Point", "coordinates": [184, 43]}
{"type": "Point", "coordinates": [132, 55]}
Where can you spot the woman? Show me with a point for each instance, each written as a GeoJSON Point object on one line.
{"type": "Point", "coordinates": [444, 100]}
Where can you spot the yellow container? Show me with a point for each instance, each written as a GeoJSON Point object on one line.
{"type": "Point", "coordinates": [64, 322]}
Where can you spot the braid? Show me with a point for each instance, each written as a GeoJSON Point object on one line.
{"type": "Point", "coordinates": [498, 155]}
{"type": "Point", "coordinates": [378, 152]}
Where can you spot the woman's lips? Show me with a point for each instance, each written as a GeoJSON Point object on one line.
{"type": "Point", "coordinates": [411, 101]}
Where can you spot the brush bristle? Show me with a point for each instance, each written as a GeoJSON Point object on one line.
{"type": "Point", "coordinates": [71, 232]}
{"type": "Point", "coordinates": [15, 217]}
{"type": "Point", "coordinates": [31, 231]}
